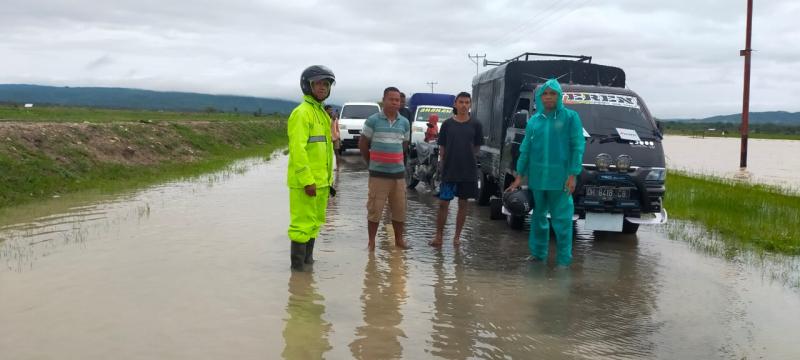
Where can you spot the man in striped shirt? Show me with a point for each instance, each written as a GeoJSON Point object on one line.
{"type": "Point", "coordinates": [383, 141]}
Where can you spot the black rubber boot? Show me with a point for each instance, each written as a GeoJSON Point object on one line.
{"type": "Point", "coordinates": [310, 251]}
{"type": "Point", "coordinates": [298, 255]}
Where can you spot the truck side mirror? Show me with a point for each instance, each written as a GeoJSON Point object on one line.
{"type": "Point", "coordinates": [520, 119]}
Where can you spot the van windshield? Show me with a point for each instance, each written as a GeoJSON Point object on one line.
{"type": "Point", "coordinates": [604, 113]}
{"type": "Point", "coordinates": [358, 111]}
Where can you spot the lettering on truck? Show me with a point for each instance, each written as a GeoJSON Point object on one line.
{"type": "Point", "coordinates": [600, 99]}
{"type": "Point", "coordinates": [423, 112]}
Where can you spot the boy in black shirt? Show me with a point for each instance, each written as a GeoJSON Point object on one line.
{"type": "Point", "coordinates": [459, 141]}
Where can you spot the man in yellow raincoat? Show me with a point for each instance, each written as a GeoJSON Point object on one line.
{"type": "Point", "coordinates": [310, 173]}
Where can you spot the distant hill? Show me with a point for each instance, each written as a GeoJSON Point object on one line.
{"type": "Point", "coordinates": [766, 117]}
{"type": "Point", "coordinates": [123, 98]}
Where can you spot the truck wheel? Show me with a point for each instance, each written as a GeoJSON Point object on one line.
{"type": "Point", "coordinates": [485, 192]}
{"type": "Point", "coordinates": [496, 208]}
{"type": "Point", "coordinates": [515, 222]}
{"type": "Point", "coordinates": [629, 227]}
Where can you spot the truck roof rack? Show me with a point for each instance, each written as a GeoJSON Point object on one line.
{"type": "Point", "coordinates": [527, 57]}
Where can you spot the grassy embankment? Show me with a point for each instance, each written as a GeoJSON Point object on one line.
{"type": "Point", "coordinates": [92, 115]}
{"type": "Point", "coordinates": [731, 130]}
{"type": "Point", "coordinates": [49, 151]}
{"type": "Point", "coordinates": [762, 216]}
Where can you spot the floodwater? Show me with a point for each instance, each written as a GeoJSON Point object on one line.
{"type": "Point", "coordinates": [772, 162]}
{"type": "Point", "coordinates": [200, 270]}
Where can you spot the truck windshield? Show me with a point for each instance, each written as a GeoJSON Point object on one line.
{"type": "Point", "coordinates": [604, 113]}
{"type": "Point", "coordinates": [424, 112]}
{"type": "Point", "coordinates": [358, 111]}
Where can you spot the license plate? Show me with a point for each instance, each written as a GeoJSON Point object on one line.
{"type": "Point", "coordinates": [607, 192]}
{"type": "Point", "coordinates": [603, 222]}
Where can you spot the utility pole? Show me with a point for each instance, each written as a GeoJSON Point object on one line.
{"type": "Point", "coordinates": [475, 60]}
{"type": "Point", "coordinates": [746, 94]}
{"type": "Point", "coordinates": [431, 83]}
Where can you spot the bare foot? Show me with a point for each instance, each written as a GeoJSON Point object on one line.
{"type": "Point", "coordinates": [435, 243]}
{"type": "Point", "coordinates": [401, 245]}
{"type": "Point", "coordinates": [371, 246]}
{"type": "Point", "coordinates": [456, 242]}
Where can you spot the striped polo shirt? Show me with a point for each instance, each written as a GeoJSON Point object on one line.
{"type": "Point", "coordinates": [386, 145]}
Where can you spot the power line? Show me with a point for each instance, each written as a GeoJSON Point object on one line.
{"type": "Point", "coordinates": [476, 56]}
{"type": "Point", "coordinates": [539, 26]}
{"type": "Point", "coordinates": [431, 83]}
{"type": "Point", "coordinates": [525, 23]}
{"type": "Point", "coordinates": [538, 21]}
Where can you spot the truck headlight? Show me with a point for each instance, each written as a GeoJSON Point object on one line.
{"type": "Point", "coordinates": [623, 163]}
{"type": "Point", "coordinates": [417, 128]}
{"type": "Point", "coordinates": [602, 161]}
{"type": "Point", "coordinates": [657, 175]}
{"type": "Point", "coordinates": [342, 127]}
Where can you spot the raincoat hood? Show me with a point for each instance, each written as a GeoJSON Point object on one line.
{"type": "Point", "coordinates": [550, 84]}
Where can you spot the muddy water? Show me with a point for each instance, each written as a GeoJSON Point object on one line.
{"type": "Point", "coordinates": [773, 162]}
{"type": "Point", "coordinates": [199, 270]}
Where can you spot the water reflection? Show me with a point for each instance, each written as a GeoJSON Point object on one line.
{"type": "Point", "coordinates": [612, 301]}
{"type": "Point", "coordinates": [306, 332]}
{"type": "Point", "coordinates": [383, 295]}
{"type": "Point", "coordinates": [454, 329]}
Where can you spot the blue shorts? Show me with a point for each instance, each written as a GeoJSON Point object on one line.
{"type": "Point", "coordinates": [461, 189]}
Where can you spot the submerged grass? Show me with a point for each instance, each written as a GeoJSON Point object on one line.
{"type": "Point", "coordinates": [763, 216]}
{"type": "Point", "coordinates": [778, 267]}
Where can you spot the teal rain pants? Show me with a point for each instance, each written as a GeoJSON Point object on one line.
{"type": "Point", "coordinates": [558, 203]}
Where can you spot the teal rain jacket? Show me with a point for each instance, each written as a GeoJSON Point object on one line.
{"type": "Point", "coordinates": [553, 145]}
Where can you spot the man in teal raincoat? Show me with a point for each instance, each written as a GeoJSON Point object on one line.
{"type": "Point", "coordinates": [551, 159]}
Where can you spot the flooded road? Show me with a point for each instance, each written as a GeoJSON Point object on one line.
{"type": "Point", "coordinates": [772, 162]}
{"type": "Point", "coordinates": [200, 270]}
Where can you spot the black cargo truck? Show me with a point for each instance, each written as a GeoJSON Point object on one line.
{"type": "Point", "coordinates": [623, 180]}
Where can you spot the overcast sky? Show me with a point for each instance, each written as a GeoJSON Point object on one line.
{"type": "Point", "coordinates": [681, 56]}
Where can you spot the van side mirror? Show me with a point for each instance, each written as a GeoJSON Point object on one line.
{"type": "Point", "coordinates": [520, 119]}
{"type": "Point", "coordinates": [659, 126]}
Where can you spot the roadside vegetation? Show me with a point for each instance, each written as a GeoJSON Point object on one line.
{"type": "Point", "coordinates": [98, 115]}
{"type": "Point", "coordinates": [55, 151]}
{"type": "Point", "coordinates": [764, 217]}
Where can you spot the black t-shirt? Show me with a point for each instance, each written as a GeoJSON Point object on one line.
{"type": "Point", "coordinates": [459, 141]}
{"type": "Point", "coordinates": [406, 114]}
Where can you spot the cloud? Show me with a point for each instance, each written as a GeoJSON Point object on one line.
{"type": "Point", "coordinates": [681, 56]}
{"type": "Point", "coordinates": [101, 61]}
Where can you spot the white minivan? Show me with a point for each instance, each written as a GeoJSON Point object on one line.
{"type": "Point", "coordinates": [351, 121]}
